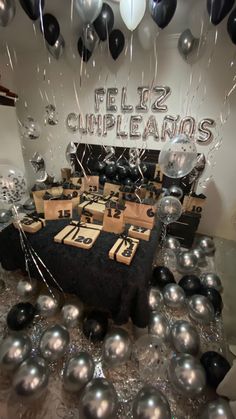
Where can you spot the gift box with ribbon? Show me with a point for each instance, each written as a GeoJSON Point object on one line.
{"type": "Point", "coordinates": [30, 224]}
{"type": "Point", "coordinates": [141, 233]}
{"type": "Point", "coordinates": [79, 234]}
{"type": "Point", "coordinates": [124, 249]}
{"type": "Point", "coordinates": [95, 204]}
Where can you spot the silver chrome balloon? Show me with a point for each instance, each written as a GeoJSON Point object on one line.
{"type": "Point", "coordinates": [31, 379]}
{"type": "Point", "coordinates": [5, 215]}
{"type": "Point", "coordinates": [150, 403]}
{"type": "Point", "coordinates": [218, 409]}
{"type": "Point", "coordinates": [155, 299]}
{"type": "Point", "coordinates": [38, 163]}
{"type": "Point", "coordinates": [29, 205]}
{"type": "Point", "coordinates": [174, 296]}
{"type": "Point", "coordinates": [185, 338]}
{"type": "Point", "coordinates": [211, 280]}
{"type": "Point", "coordinates": [57, 49]}
{"type": "Point", "coordinates": [71, 314]}
{"type": "Point", "coordinates": [78, 371]}
{"type": "Point", "coordinates": [201, 258]}
{"type": "Point", "coordinates": [7, 11]}
{"type": "Point", "coordinates": [188, 45]}
{"type": "Point", "coordinates": [187, 375]}
{"type": "Point", "coordinates": [54, 342]}
{"type": "Point", "coordinates": [116, 347]}
{"type": "Point", "coordinates": [27, 288]}
{"type": "Point", "coordinates": [201, 309]}
{"type": "Point", "coordinates": [88, 10]}
{"type": "Point", "coordinates": [186, 262]}
{"type": "Point", "coordinates": [89, 37]}
{"type": "Point", "coordinates": [14, 349]}
{"type": "Point", "coordinates": [47, 304]}
{"type": "Point", "coordinates": [159, 326]}
{"type": "Point", "coordinates": [175, 191]}
{"type": "Point", "coordinates": [207, 245]}
{"type": "Point", "coordinates": [99, 400]}
{"type": "Point", "coordinates": [72, 123]}
{"type": "Point", "coordinates": [172, 243]}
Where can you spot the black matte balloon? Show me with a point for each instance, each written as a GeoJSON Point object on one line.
{"type": "Point", "coordinates": [99, 166]}
{"type": "Point", "coordinates": [95, 326]}
{"type": "Point", "coordinates": [116, 43]}
{"type": "Point", "coordinates": [135, 173]}
{"type": "Point", "coordinates": [162, 11]}
{"type": "Point", "coordinates": [191, 284]}
{"type": "Point", "coordinates": [216, 367]}
{"type": "Point", "coordinates": [161, 276]}
{"type": "Point", "coordinates": [122, 171]}
{"type": "Point", "coordinates": [214, 296]}
{"type": "Point", "coordinates": [231, 26]}
{"type": "Point", "coordinates": [110, 170]}
{"type": "Point", "coordinates": [104, 23]}
{"type": "Point", "coordinates": [102, 179]}
{"type": "Point", "coordinates": [32, 8]}
{"type": "Point", "coordinates": [51, 28]}
{"type": "Point", "coordinates": [20, 316]}
{"type": "Point", "coordinates": [128, 182]}
{"type": "Point", "coordinates": [218, 9]}
{"type": "Point", "coordinates": [83, 52]}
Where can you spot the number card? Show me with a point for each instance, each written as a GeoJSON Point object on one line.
{"type": "Point", "coordinates": [91, 184]}
{"type": "Point", "coordinates": [86, 217]}
{"type": "Point", "coordinates": [30, 225]}
{"type": "Point", "coordinates": [113, 221]}
{"type": "Point", "coordinates": [141, 215]}
{"type": "Point", "coordinates": [57, 210]}
{"type": "Point", "coordinates": [111, 190]}
{"type": "Point", "coordinates": [194, 203]}
{"type": "Point", "coordinates": [124, 250]}
{"type": "Point", "coordinates": [141, 233]}
{"type": "Point", "coordinates": [75, 235]}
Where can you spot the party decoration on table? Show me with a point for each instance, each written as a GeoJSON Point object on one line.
{"type": "Point", "coordinates": [162, 276]}
{"type": "Point", "coordinates": [31, 379]}
{"type": "Point", "coordinates": [201, 258]}
{"type": "Point", "coordinates": [47, 304]}
{"type": "Point", "coordinates": [104, 22]}
{"type": "Point", "coordinates": [87, 10]}
{"type": "Point", "coordinates": [162, 11]}
{"type": "Point", "coordinates": [84, 53]}
{"type": "Point", "coordinates": [116, 43]}
{"type": "Point", "coordinates": [14, 349]}
{"type": "Point", "coordinates": [191, 284]}
{"type": "Point", "coordinates": [214, 296]}
{"type": "Point", "coordinates": [178, 157]}
{"type": "Point", "coordinates": [185, 338]}
{"type": "Point", "coordinates": [78, 372]}
{"type": "Point", "coordinates": [89, 37]}
{"type": "Point", "coordinates": [20, 316]}
{"type": "Point", "coordinates": [218, 10]}
{"type": "Point", "coordinates": [124, 249]}
{"type": "Point", "coordinates": [147, 33]}
{"type": "Point", "coordinates": [80, 235]}
{"type": "Point", "coordinates": [159, 326]}
{"type": "Point", "coordinates": [211, 280]}
{"type": "Point", "coordinates": [188, 46]}
{"type": "Point", "coordinates": [217, 409]}
{"type": "Point", "coordinates": [98, 400]}
{"type": "Point", "coordinates": [12, 184]}
{"type": "Point", "coordinates": [171, 243]}
{"type": "Point", "coordinates": [149, 355]}
{"type": "Point", "coordinates": [56, 50]}
{"type": "Point", "coordinates": [5, 215]}
{"type": "Point", "coordinates": [151, 403]}
{"type": "Point", "coordinates": [132, 12]}
{"type": "Point", "coordinates": [174, 296]}
{"type": "Point", "coordinates": [38, 163]}
{"type": "Point", "coordinates": [140, 233]}
{"type": "Point", "coordinates": [155, 299]}
{"type": "Point", "coordinates": [187, 375]}
{"type": "Point", "coordinates": [27, 288]}
{"type": "Point", "coordinates": [207, 245]}
{"type": "Point", "coordinates": [201, 309]}
{"type": "Point", "coordinates": [175, 191]}
{"type": "Point", "coordinates": [29, 205]}
{"type": "Point", "coordinates": [186, 262]}
{"type": "Point", "coordinates": [71, 314]}
{"type": "Point", "coordinates": [30, 223]}
{"type": "Point", "coordinates": [95, 325]}
{"type": "Point", "coordinates": [32, 8]}
{"type": "Point", "coordinates": [113, 221]}
{"type": "Point", "coordinates": [169, 209]}
{"type": "Point", "coordinates": [51, 116]}
{"type": "Point", "coordinates": [50, 28]}
{"type": "Point", "coordinates": [30, 129]}
{"type": "Point", "coordinates": [7, 12]}
{"type": "Point", "coordinates": [54, 342]}
{"type": "Point", "coordinates": [216, 367]}
{"type": "Point", "coordinates": [231, 26]}
{"type": "Point", "coordinates": [116, 348]}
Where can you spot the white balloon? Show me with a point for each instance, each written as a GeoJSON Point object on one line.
{"type": "Point", "coordinates": [132, 12]}
{"type": "Point", "coordinates": [147, 33]}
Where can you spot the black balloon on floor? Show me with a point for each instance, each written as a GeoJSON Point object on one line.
{"type": "Point", "coordinates": [231, 26]}
{"type": "Point", "coordinates": [116, 43]}
{"type": "Point", "coordinates": [95, 326]}
{"type": "Point", "coordinates": [20, 316]}
{"type": "Point", "coordinates": [51, 28]}
{"type": "Point", "coordinates": [218, 10]}
{"type": "Point", "coordinates": [102, 179]}
{"type": "Point", "coordinates": [214, 296]}
{"type": "Point", "coordinates": [191, 284]}
{"type": "Point", "coordinates": [162, 276]}
{"type": "Point", "coordinates": [83, 52]}
{"type": "Point", "coordinates": [216, 367]}
{"type": "Point", "coordinates": [32, 8]}
{"type": "Point", "coordinates": [104, 23]}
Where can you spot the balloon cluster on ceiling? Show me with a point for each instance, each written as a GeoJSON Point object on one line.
{"type": "Point", "coordinates": [98, 23]}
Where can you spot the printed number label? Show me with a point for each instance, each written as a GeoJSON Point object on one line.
{"type": "Point", "coordinates": [197, 209]}
{"type": "Point", "coordinates": [150, 213]}
{"type": "Point", "coordinates": [79, 181]}
{"type": "Point", "coordinates": [64, 214]}
{"type": "Point", "coordinates": [93, 188]}
{"type": "Point", "coordinates": [116, 214]}
{"type": "Point", "coordinates": [28, 222]}
{"type": "Point", "coordinates": [140, 229]}
{"type": "Point", "coordinates": [82, 239]}
{"type": "Point", "coordinates": [127, 253]}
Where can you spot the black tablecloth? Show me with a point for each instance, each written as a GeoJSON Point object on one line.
{"type": "Point", "coordinates": [98, 281]}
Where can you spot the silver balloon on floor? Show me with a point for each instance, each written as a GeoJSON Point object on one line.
{"type": "Point", "coordinates": [211, 280]}
{"type": "Point", "coordinates": [99, 400]}
{"type": "Point", "coordinates": [5, 215]}
{"type": "Point", "coordinates": [172, 243]}
{"type": "Point", "coordinates": [185, 337]}
{"type": "Point", "coordinates": [31, 379]}
{"type": "Point", "coordinates": [159, 326]}
{"type": "Point", "coordinates": [53, 342]}
{"type": "Point", "coordinates": [78, 372]}
{"type": "Point", "coordinates": [14, 349]}
{"type": "Point", "coordinates": [71, 314]}
{"type": "Point", "coordinates": [201, 309]}
{"type": "Point", "coordinates": [186, 262]}
{"type": "Point", "coordinates": [174, 296]}
{"type": "Point", "coordinates": [155, 299]}
{"type": "Point", "coordinates": [116, 347]}
{"type": "Point", "coordinates": [47, 304]}
{"type": "Point", "coordinates": [218, 409]}
{"type": "Point", "coordinates": [27, 288]}
{"type": "Point", "coordinates": [207, 245]}
{"type": "Point", "coordinates": [200, 255]}
{"type": "Point", "coordinates": [151, 403]}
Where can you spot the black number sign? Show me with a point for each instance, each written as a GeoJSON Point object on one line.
{"type": "Point", "coordinates": [116, 214]}
{"type": "Point", "coordinates": [82, 239]}
{"type": "Point", "coordinates": [64, 214]}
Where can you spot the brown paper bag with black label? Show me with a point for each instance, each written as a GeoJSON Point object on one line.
{"type": "Point", "coordinates": [77, 196]}
{"type": "Point", "coordinates": [57, 210]}
{"type": "Point", "coordinates": [140, 233]}
{"type": "Point", "coordinates": [83, 237]}
{"type": "Point", "coordinates": [124, 250]}
{"type": "Point", "coordinates": [30, 225]}
{"type": "Point", "coordinates": [90, 184]}
{"type": "Point", "coordinates": [194, 204]}
{"type": "Point", "coordinates": [141, 215]}
{"type": "Point", "coordinates": [111, 190]}
{"type": "Point", "coordinates": [113, 221]}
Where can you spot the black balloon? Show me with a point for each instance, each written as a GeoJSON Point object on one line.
{"type": "Point", "coordinates": [95, 326]}
{"type": "Point", "coordinates": [102, 179]}
{"type": "Point", "coordinates": [127, 182]}
{"type": "Point", "coordinates": [104, 23]}
{"type": "Point", "coordinates": [51, 28]}
{"type": "Point", "coordinates": [32, 8]}
{"type": "Point", "coordinates": [162, 11]}
{"type": "Point", "coordinates": [110, 171]}
{"type": "Point", "coordinates": [99, 167]}
{"type": "Point", "coordinates": [20, 316]}
{"type": "Point", "coordinates": [218, 10]}
{"type": "Point", "coordinates": [191, 284]}
{"type": "Point", "coordinates": [162, 276]}
{"type": "Point", "coordinates": [116, 43]}
{"type": "Point", "coordinates": [123, 172]}
{"type": "Point", "coordinates": [83, 52]}
{"type": "Point", "coordinates": [135, 173]}
{"type": "Point", "coordinates": [214, 296]}
{"type": "Point", "coordinates": [231, 26]}
{"type": "Point", "coordinates": [216, 367]}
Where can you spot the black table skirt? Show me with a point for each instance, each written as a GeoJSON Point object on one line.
{"type": "Point", "coordinates": [98, 281]}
